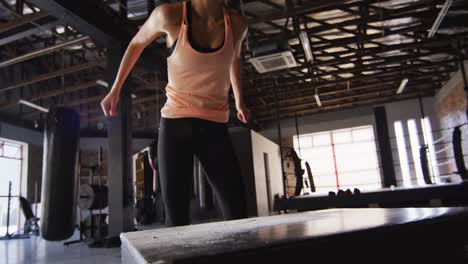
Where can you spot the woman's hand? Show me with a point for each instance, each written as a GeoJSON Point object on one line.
{"type": "Point", "coordinates": [109, 104]}
{"type": "Point", "coordinates": [243, 113]}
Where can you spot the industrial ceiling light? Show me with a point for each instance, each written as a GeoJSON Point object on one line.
{"type": "Point", "coordinates": [32, 105]}
{"type": "Point", "coordinates": [402, 86]}
{"type": "Point", "coordinates": [439, 18]}
{"type": "Point", "coordinates": [305, 41]}
{"type": "Point", "coordinates": [103, 83]}
{"type": "Point", "coordinates": [317, 98]}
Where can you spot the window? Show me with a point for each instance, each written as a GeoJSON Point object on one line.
{"type": "Point", "coordinates": [429, 140]}
{"type": "Point", "coordinates": [11, 164]}
{"type": "Point", "coordinates": [412, 171]}
{"type": "Point", "coordinates": [402, 153]}
{"type": "Point", "coordinates": [341, 159]}
{"type": "Point", "coordinates": [414, 140]}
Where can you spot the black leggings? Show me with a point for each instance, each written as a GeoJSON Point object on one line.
{"type": "Point", "coordinates": [179, 140]}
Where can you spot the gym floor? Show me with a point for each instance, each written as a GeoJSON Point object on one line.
{"type": "Point", "coordinates": [37, 250]}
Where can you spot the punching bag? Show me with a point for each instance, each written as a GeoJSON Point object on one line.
{"type": "Point", "coordinates": [61, 143]}
{"type": "Point", "coordinates": [458, 153]}
{"type": "Point", "coordinates": [311, 177]}
{"type": "Point", "coordinates": [425, 164]}
{"type": "Point", "coordinates": [298, 172]}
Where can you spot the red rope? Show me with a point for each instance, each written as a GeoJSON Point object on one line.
{"type": "Point", "coordinates": [334, 161]}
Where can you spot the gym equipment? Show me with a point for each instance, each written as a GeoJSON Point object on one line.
{"type": "Point", "coordinates": [447, 194]}
{"type": "Point", "coordinates": [311, 177]}
{"type": "Point", "coordinates": [9, 236]}
{"type": "Point", "coordinates": [357, 191]}
{"type": "Point", "coordinates": [458, 152]}
{"type": "Point", "coordinates": [298, 172]}
{"type": "Point", "coordinates": [61, 141]}
{"type": "Point", "coordinates": [145, 208]}
{"type": "Point", "coordinates": [31, 225]}
{"type": "Point", "coordinates": [423, 152]}
{"type": "Point", "coordinates": [333, 240]}
{"type": "Point", "coordinates": [94, 226]}
{"type": "Point", "coordinates": [348, 193]}
{"type": "Point", "coordinates": [93, 197]}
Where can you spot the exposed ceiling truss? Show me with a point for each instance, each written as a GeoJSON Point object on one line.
{"type": "Point", "coordinates": [362, 50]}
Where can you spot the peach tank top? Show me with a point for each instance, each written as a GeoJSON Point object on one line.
{"type": "Point", "coordinates": [199, 82]}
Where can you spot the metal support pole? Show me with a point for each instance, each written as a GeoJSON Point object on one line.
{"type": "Point", "coordinates": [278, 120]}
{"type": "Point", "coordinates": [421, 107]}
{"type": "Point", "coordinates": [120, 179]}
{"type": "Point", "coordinates": [386, 155]}
{"type": "Point", "coordinates": [35, 198]}
{"type": "Point", "coordinates": [7, 235]}
{"type": "Point", "coordinates": [465, 79]}
{"type": "Point", "coordinates": [297, 134]}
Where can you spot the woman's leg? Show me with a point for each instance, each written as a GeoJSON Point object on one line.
{"type": "Point", "coordinates": [214, 149]}
{"type": "Point", "coordinates": [175, 153]}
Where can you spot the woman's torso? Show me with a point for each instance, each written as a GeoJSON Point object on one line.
{"type": "Point", "coordinates": [199, 81]}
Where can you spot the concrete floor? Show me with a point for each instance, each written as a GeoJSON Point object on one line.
{"type": "Point", "coordinates": [38, 251]}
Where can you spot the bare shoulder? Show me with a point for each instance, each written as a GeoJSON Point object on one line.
{"type": "Point", "coordinates": [168, 14]}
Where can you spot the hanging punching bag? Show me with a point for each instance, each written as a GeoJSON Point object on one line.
{"type": "Point", "coordinates": [311, 177]}
{"type": "Point", "coordinates": [458, 153]}
{"type": "Point", "coordinates": [61, 143]}
{"type": "Point", "coordinates": [425, 164]}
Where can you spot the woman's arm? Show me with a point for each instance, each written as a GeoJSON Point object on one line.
{"type": "Point", "coordinates": [153, 28]}
{"type": "Point", "coordinates": [235, 72]}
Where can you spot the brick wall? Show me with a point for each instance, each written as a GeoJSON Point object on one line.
{"type": "Point", "coordinates": [451, 106]}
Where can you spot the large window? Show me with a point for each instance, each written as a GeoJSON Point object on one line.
{"type": "Point", "coordinates": [402, 153]}
{"type": "Point", "coordinates": [341, 159]}
{"type": "Point", "coordinates": [11, 164]}
{"type": "Point", "coordinates": [409, 143]}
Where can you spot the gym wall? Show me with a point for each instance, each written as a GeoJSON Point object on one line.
{"type": "Point", "coordinates": [450, 104]}
{"type": "Point", "coordinates": [362, 116]}
{"type": "Point", "coordinates": [250, 148]}
{"type": "Point", "coordinates": [266, 185]}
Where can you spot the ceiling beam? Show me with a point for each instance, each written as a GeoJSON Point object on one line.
{"type": "Point", "coordinates": [20, 21]}
{"type": "Point", "coordinates": [27, 30]}
{"type": "Point", "coordinates": [332, 101]}
{"type": "Point", "coordinates": [101, 23]}
{"type": "Point", "coordinates": [343, 93]}
{"type": "Point", "coordinates": [368, 102]}
{"type": "Point", "coordinates": [57, 92]}
{"type": "Point", "coordinates": [44, 51]}
{"type": "Point", "coordinates": [50, 75]}
{"type": "Point", "coordinates": [287, 83]}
